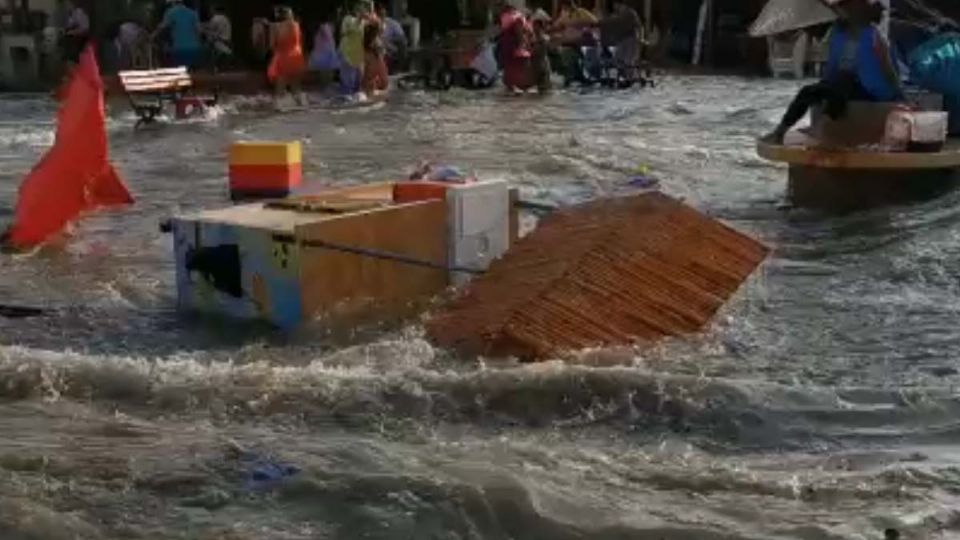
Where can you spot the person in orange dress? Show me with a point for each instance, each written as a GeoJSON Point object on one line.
{"type": "Point", "coordinates": [288, 63]}
{"type": "Point", "coordinates": [376, 78]}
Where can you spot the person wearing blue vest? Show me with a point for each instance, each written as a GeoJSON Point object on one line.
{"type": "Point", "coordinates": [859, 67]}
{"type": "Point", "coordinates": [184, 26]}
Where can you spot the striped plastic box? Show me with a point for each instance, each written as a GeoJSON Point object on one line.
{"type": "Point", "coordinates": [264, 169]}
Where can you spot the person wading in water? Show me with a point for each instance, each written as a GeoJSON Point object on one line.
{"type": "Point", "coordinates": [183, 24]}
{"type": "Point", "coordinates": [288, 63]}
{"type": "Point", "coordinates": [859, 67]}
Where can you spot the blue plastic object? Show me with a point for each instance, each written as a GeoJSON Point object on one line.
{"type": "Point", "coordinates": [438, 173]}
{"type": "Point", "coordinates": [935, 66]}
{"type": "Point", "coordinates": [643, 181]}
{"type": "Point", "coordinates": [446, 173]}
{"type": "Point", "coordinates": [265, 473]}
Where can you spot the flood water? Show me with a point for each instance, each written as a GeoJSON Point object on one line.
{"type": "Point", "coordinates": [822, 404]}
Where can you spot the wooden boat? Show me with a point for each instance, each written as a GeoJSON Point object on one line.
{"type": "Point", "coordinates": [843, 166]}
{"type": "Point", "coordinates": [843, 179]}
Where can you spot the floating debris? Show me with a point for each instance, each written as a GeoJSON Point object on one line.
{"type": "Point", "coordinates": [609, 272]}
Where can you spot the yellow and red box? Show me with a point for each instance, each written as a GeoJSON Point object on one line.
{"type": "Point", "coordinates": [265, 169]}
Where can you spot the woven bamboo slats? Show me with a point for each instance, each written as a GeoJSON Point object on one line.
{"type": "Point", "coordinates": [609, 272]}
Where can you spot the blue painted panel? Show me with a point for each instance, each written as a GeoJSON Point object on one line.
{"type": "Point", "coordinates": [270, 274]}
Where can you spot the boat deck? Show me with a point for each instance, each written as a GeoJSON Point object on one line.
{"type": "Point", "coordinates": [803, 151]}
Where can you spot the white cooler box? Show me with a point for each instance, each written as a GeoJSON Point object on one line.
{"type": "Point", "coordinates": [916, 131]}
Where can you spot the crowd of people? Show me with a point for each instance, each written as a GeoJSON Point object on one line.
{"type": "Point", "coordinates": [361, 44]}
{"type": "Point", "coordinates": [575, 37]}
{"type": "Point", "coordinates": [181, 38]}
{"type": "Point", "coordinates": [369, 41]}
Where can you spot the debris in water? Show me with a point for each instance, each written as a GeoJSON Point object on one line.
{"type": "Point", "coordinates": [644, 182]}
{"type": "Point", "coordinates": [642, 179]}
{"type": "Point", "coordinates": [606, 273]}
{"type": "Point", "coordinates": [209, 499]}
{"type": "Point", "coordinates": [266, 473]}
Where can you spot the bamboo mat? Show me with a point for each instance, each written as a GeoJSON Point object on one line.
{"type": "Point", "coordinates": [609, 272]}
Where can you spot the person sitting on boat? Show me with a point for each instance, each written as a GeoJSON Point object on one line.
{"type": "Point", "coordinates": [859, 67]}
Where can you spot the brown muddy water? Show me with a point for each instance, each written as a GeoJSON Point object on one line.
{"type": "Point", "coordinates": [822, 404]}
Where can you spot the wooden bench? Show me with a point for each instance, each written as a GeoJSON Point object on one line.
{"type": "Point", "coordinates": [150, 90]}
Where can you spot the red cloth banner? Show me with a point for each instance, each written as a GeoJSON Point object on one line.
{"type": "Point", "coordinates": [75, 176]}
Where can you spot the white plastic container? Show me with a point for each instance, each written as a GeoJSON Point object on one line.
{"type": "Point", "coordinates": [479, 226]}
{"type": "Point", "coordinates": [916, 131]}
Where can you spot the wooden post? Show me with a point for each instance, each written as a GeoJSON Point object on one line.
{"type": "Point", "coordinates": [701, 28]}
{"type": "Point", "coordinates": [708, 55]}
{"type": "Point", "coordinates": [648, 18]}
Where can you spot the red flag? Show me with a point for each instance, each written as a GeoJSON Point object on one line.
{"type": "Point", "coordinates": [75, 175]}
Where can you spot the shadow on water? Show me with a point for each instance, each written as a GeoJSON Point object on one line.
{"type": "Point", "coordinates": [158, 332]}
{"type": "Point", "coordinates": [153, 334]}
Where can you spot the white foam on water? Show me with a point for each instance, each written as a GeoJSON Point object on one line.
{"type": "Point", "coordinates": [16, 138]}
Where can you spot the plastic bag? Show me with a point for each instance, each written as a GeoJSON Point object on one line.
{"type": "Point", "coordinates": [485, 62]}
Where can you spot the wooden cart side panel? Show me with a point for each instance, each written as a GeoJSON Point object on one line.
{"type": "Point", "coordinates": [350, 284]}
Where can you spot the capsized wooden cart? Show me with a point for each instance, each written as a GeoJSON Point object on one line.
{"type": "Point", "coordinates": [607, 272]}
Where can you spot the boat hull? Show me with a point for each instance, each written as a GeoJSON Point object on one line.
{"type": "Point", "coordinates": [856, 189]}
{"type": "Point", "coordinates": [852, 179]}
